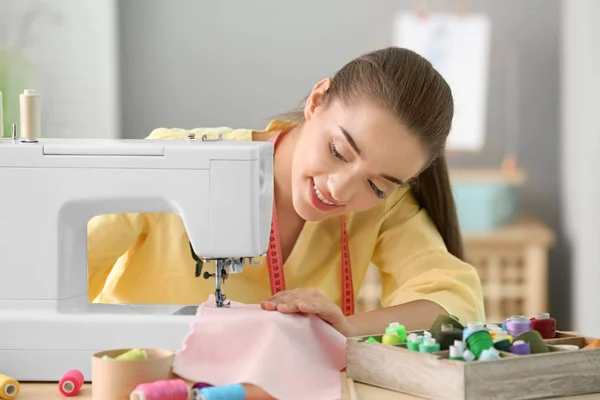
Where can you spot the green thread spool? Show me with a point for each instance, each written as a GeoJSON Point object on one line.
{"type": "Point", "coordinates": [371, 340]}
{"type": "Point", "coordinates": [429, 345]}
{"type": "Point", "coordinates": [413, 341]}
{"type": "Point", "coordinates": [445, 320]}
{"type": "Point", "coordinates": [535, 342]}
{"type": "Point", "coordinates": [447, 338]}
{"type": "Point", "coordinates": [502, 344]}
{"type": "Point", "coordinates": [399, 329]}
{"type": "Point", "coordinates": [479, 341]}
{"type": "Point", "coordinates": [133, 354]}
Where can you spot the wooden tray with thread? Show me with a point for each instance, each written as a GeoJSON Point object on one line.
{"type": "Point", "coordinates": [558, 373]}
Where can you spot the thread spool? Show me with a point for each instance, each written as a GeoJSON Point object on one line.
{"type": "Point", "coordinates": [196, 388]}
{"type": "Point", "coordinates": [133, 354]}
{"type": "Point", "coordinates": [429, 345]}
{"type": "Point", "coordinates": [545, 325]}
{"type": "Point", "coordinates": [398, 329]}
{"type": "Point", "coordinates": [228, 392]}
{"type": "Point", "coordinates": [413, 341]}
{"type": "Point", "coordinates": [1, 117]}
{"type": "Point", "coordinates": [9, 387]}
{"type": "Point", "coordinates": [443, 320]}
{"type": "Point", "coordinates": [70, 383]}
{"type": "Point", "coordinates": [462, 345]}
{"type": "Point", "coordinates": [479, 341]}
{"type": "Point", "coordinates": [31, 115]}
{"type": "Point", "coordinates": [455, 353]}
{"type": "Point", "coordinates": [172, 389]}
{"type": "Point", "coordinates": [371, 340]}
{"type": "Point", "coordinates": [391, 338]}
{"type": "Point", "coordinates": [519, 347]}
{"type": "Point", "coordinates": [489, 355]}
{"type": "Point", "coordinates": [535, 342]}
{"type": "Point", "coordinates": [447, 338]}
{"type": "Point", "coordinates": [517, 324]}
{"type": "Point", "coordinates": [502, 343]}
{"type": "Point", "coordinates": [468, 355]}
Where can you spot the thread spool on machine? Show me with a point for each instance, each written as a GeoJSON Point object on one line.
{"type": "Point", "coordinates": [29, 129]}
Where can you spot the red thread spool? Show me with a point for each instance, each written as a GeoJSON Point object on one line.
{"type": "Point", "coordinates": [545, 325]}
{"type": "Point", "coordinates": [71, 382]}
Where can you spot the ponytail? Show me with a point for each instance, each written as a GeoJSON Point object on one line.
{"type": "Point", "coordinates": [433, 192]}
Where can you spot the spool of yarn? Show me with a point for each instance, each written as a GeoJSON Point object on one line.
{"type": "Point", "coordinates": [391, 337]}
{"type": "Point", "coordinates": [447, 338]}
{"type": "Point", "coordinates": [479, 341]}
{"type": "Point", "coordinates": [593, 345]}
{"type": "Point", "coordinates": [545, 325]}
{"type": "Point", "coordinates": [429, 345]}
{"type": "Point", "coordinates": [413, 341]}
{"type": "Point", "coordinates": [520, 347]}
{"type": "Point", "coordinates": [468, 355]}
{"type": "Point", "coordinates": [535, 342]}
{"type": "Point", "coordinates": [70, 383]}
{"type": "Point", "coordinates": [31, 114]}
{"type": "Point", "coordinates": [196, 388]}
{"type": "Point", "coordinates": [133, 354]}
{"type": "Point", "coordinates": [455, 353]}
{"type": "Point", "coordinates": [445, 320]}
{"type": "Point", "coordinates": [502, 343]}
{"type": "Point", "coordinates": [517, 324]}
{"type": "Point", "coordinates": [9, 387]}
{"type": "Point", "coordinates": [172, 389]}
{"type": "Point", "coordinates": [228, 392]}
{"type": "Point", "coordinates": [399, 329]}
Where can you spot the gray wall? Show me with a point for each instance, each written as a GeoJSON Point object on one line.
{"type": "Point", "coordinates": [236, 63]}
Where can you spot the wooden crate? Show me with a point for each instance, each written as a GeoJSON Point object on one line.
{"type": "Point", "coordinates": [433, 376]}
{"type": "Point", "coordinates": [512, 263]}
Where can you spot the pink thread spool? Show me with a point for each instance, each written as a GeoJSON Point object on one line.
{"type": "Point", "coordinates": [71, 382]}
{"type": "Point", "coordinates": [172, 389]}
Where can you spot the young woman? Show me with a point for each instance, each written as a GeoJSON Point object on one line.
{"type": "Point", "coordinates": [360, 178]}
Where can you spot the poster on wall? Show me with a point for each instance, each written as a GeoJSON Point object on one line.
{"type": "Point", "coordinates": [458, 46]}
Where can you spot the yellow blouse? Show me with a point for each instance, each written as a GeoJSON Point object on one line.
{"type": "Point", "coordinates": [145, 257]}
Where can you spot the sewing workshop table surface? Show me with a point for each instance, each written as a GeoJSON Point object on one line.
{"type": "Point", "coordinates": [49, 391]}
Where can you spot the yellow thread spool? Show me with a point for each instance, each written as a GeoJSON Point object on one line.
{"type": "Point", "coordinates": [9, 387]}
{"type": "Point", "coordinates": [30, 113]}
{"type": "Point", "coordinates": [133, 354]}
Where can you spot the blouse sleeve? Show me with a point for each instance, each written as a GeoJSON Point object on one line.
{"type": "Point", "coordinates": [414, 264]}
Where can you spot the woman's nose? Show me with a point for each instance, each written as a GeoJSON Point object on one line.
{"type": "Point", "coordinates": [342, 186]}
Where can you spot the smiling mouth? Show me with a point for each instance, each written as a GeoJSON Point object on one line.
{"type": "Point", "coordinates": [321, 197]}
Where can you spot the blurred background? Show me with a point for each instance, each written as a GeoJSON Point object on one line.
{"type": "Point", "coordinates": [523, 149]}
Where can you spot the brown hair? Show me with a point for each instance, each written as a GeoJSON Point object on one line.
{"type": "Point", "coordinates": [408, 85]}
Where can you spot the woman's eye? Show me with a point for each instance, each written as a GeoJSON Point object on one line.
{"type": "Point", "coordinates": [378, 192]}
{"type": "Point", "coordinates": [335, 153]}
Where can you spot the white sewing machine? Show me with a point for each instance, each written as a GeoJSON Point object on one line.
{"type": "Point", "coordinates": [50, 189]}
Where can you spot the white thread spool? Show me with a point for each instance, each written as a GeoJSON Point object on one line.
{"type": "Point", "coordinates": [1, 118]}
{"type": "Point", "coordinates": [31, 114]}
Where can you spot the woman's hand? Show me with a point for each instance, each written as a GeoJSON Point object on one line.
{"type": "Point", "coordinates": [309, 302]}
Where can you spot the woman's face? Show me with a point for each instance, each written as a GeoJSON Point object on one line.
{"type": "Point", "coordinates": [349, 157]}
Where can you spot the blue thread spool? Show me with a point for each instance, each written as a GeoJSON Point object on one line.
{"type": "Point", "coordinates": [228, 392]}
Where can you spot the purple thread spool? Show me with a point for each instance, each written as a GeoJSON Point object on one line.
{"type": "Point", "coordinates": [520, 347]}
{"type": "Point", "coordinates": [518, 324]}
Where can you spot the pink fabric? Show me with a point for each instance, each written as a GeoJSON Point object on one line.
{"type": "Point", "coordinates": [290, 356]}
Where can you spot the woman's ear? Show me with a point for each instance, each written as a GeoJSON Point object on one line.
{"type": "Point", "coordinates": [315, 99]}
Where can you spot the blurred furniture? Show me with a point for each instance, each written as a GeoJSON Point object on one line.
{"type": "Point", "coordinates": [512, 263]}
